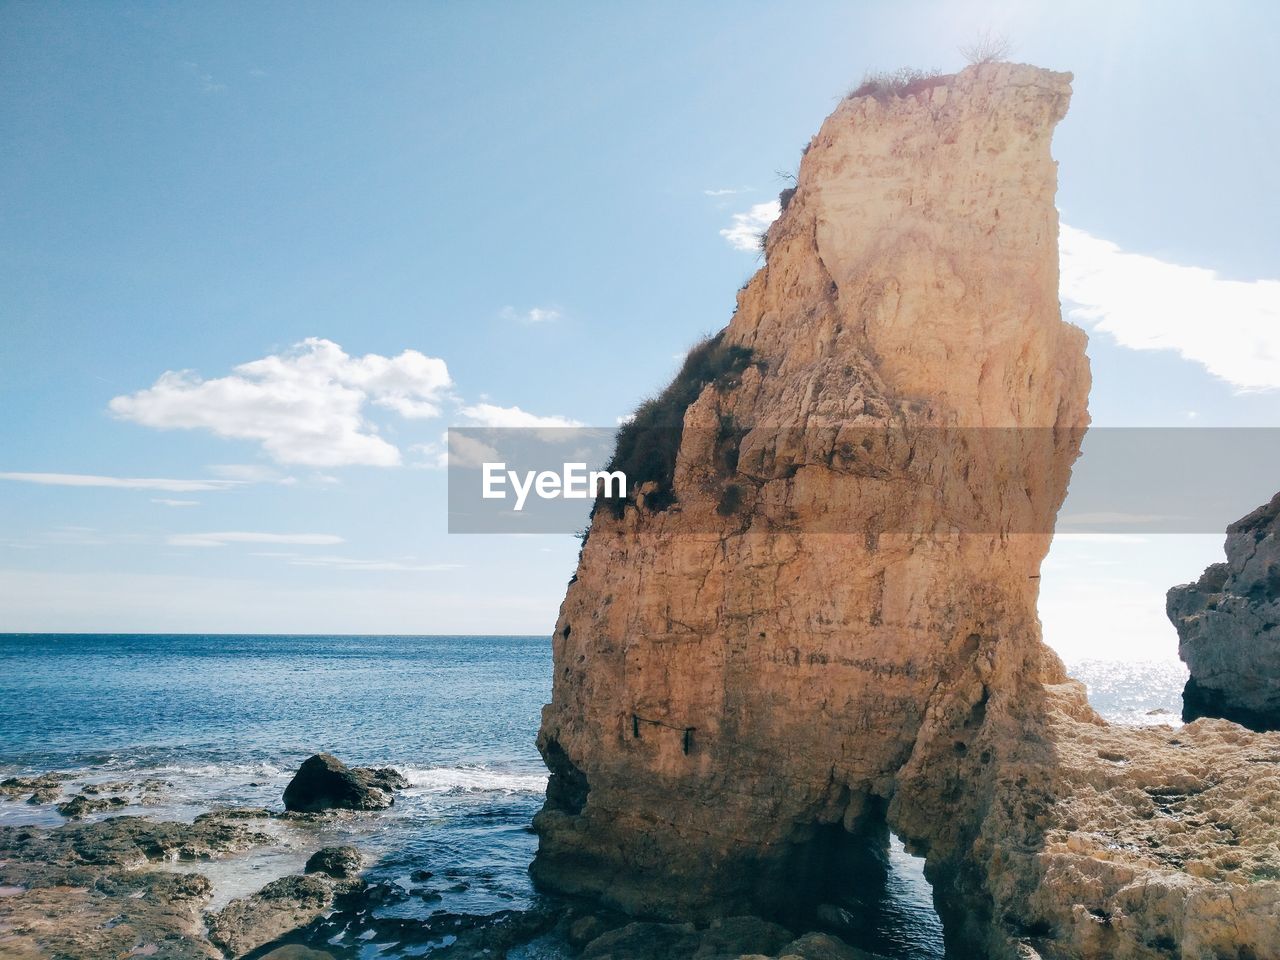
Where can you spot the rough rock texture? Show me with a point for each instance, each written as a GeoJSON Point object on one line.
{"type": "Point", "coordinates": [85, 890]}
{"type": "Point", "coordinates": [1228, 626]}
{"type": "Point", "coordinates": [324, 782]}
{"type": "Point", "coordinates": [341, 863]}
{"type": "Point", "coordinates": [279, 907]}
{"type": "Point", "coordinates": [744, 684]}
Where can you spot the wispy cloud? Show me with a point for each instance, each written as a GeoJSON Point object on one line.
{"type": "Point", "coordinates": [237, 536]}
{"type": "Point", "coordinates": [744, 232]}
{"type": "Point", "coordinates": [166, 502]}
{"type": "Point", "coordinates": [533, 315]}
{"type": "Point", "coordinates": [1231, 327]}
{"type": "Point", "coordinates": [304, 406]}
{"type": "Point", "coordinates": [121, 483]}
{"type": "Point", "coordinates": [491, 415]}
{"type": "Point", "coordinates": [727, 191]}
{"type": "Point", "coordinates": [251, 473]}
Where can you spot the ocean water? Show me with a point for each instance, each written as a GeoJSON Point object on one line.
{"type": "Point", "coordinates": [225, 720]}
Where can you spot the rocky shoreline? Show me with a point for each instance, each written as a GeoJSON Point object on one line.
{"type": "Point", "coordinates": [132, 886]}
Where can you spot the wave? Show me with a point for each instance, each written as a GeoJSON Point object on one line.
{"type": "Point", "coordinates": [473, 780]}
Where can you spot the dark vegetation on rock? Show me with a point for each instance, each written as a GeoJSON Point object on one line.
{"type": "Point", "coordinates": [648, 444]}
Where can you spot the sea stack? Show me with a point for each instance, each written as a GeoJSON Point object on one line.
{"type": "Point", "coordinates": [815, 619]}
{"type": "Point", "coordinates": [737, 690]}
{"type": "Point", "coordinates": [1228, 625]}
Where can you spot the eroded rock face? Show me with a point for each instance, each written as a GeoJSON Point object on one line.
{"type": "Point", "coordinates": [1228, 626]}
{"type": "Point", "coordinates": [736, 690]}
{"type": "Point", "coordinates": [745, 682]}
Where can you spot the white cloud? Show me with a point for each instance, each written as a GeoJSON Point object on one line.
{"type": "Point", "coordinates": [251, 473]}
{"type": "Point", "coordinates": [166, 502]}
{"type": "Point", "coordinates": [491, 415]}
{"type": "Point", "coordinates": [744, 234]}
{"type": "Point", "coordinates": [466, 451]}
{"type": "Point", "coordinates": [222, 539]}
{"type": "Point", "coordinates": [532, 315]}
{"type": "Point", "coordinates": [121, 483]}
{"type": "Point", "coordinates": [726, 191]}
{"type": "Point", "coordinates": [305, 406]}
{"type": "Point", "coordinates": [1231, 327]}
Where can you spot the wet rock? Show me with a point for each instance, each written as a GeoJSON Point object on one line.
{"type": "Point", "coordinates": [823, 946]}
{"type": "Point", "coordinates": [278, 908]}
{"type": "Point", "coordinates": [731, 937]}
{"type": "Point", "coordinates": [324, 782]}
{"type": "Point", "coordinates": [223, 814]}
{"type": "Point", "coordinates": [487, 938]}
{"type": "Point", "coordinates": [81, 805]}
{"type": "Point", "coordinates": [47, 785]}
{"type": "Point", "coordinates": [384, 778]}
{"type": "Point", "coordinates": [127, 842]}
{"type": "Point", "coordinates": [69, 909]}
{"type": "Point", "coordinates": [341, 863]}
{"type": "Point", "coordinates": [293, 951]}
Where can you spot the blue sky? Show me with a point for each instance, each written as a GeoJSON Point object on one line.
{"type": "Point", "coordinates": [534, 195]}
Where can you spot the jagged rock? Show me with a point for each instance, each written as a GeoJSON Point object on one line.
{"type": "Point", "coordinates": [81, 805]}
{"type": "Point", "coordinates": [743, 682]}
{"type": "Point", "coordinates": [279, 907]}
{"type": "Point", "coordinates": [735, 688]}
{"type": "Point", "coordinates": [1228, 626]}
{"type": "Point", "coordinates": [341, 863]}
{"type": "Point", "coordinates": [47, 787]}
{"type": "Point", "coordinates": [324, 782]}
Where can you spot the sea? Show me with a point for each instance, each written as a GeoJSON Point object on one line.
{"type": "Point", "coordinates": [214, 721]}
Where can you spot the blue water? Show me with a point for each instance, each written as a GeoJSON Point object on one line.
{"type": "Point", "coordinates": [225, 720]}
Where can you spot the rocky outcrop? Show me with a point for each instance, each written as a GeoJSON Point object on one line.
{"type": "Point", "coordinates": [279, 907]}
{"type": "Point", "coordinates": [817, 612]}
{"type": "Point", "coordinates": [90, 890]}
{"type": "Point", "coordinates": [736, 693]}
{"type": "Point", "coordinates": [341, 863]}
{"type": "Point", "coordinates": [324, 782]}
{"type": "Point", "coordinates": [1228, 625]}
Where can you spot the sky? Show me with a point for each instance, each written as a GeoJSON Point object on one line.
{"type": "Point", "coordinates": [255, 258]}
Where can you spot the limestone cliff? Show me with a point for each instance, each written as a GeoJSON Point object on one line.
{"type": "Point", "coordinates": [1228, 626]}
{"type": "Point", "coordinates": [824, 617]}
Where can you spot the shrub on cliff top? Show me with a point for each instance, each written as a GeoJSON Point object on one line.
{"type": "Point", "coordinates": [897, 83]}
{"type": "Point", "coordinates": [647, 445]}
{"type": "Point", "coordinates": [987, 47]}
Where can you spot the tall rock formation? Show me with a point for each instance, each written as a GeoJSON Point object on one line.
{"type": "Point", "coordinates": [818, 613]}
{"type": "Point", "coordinates": [1228, 626]}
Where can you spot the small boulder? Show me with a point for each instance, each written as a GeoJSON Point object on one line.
{"type": "Point", "coordinates": [341, 863]}
{"type": "Point", "coordinates": [324, 782]}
